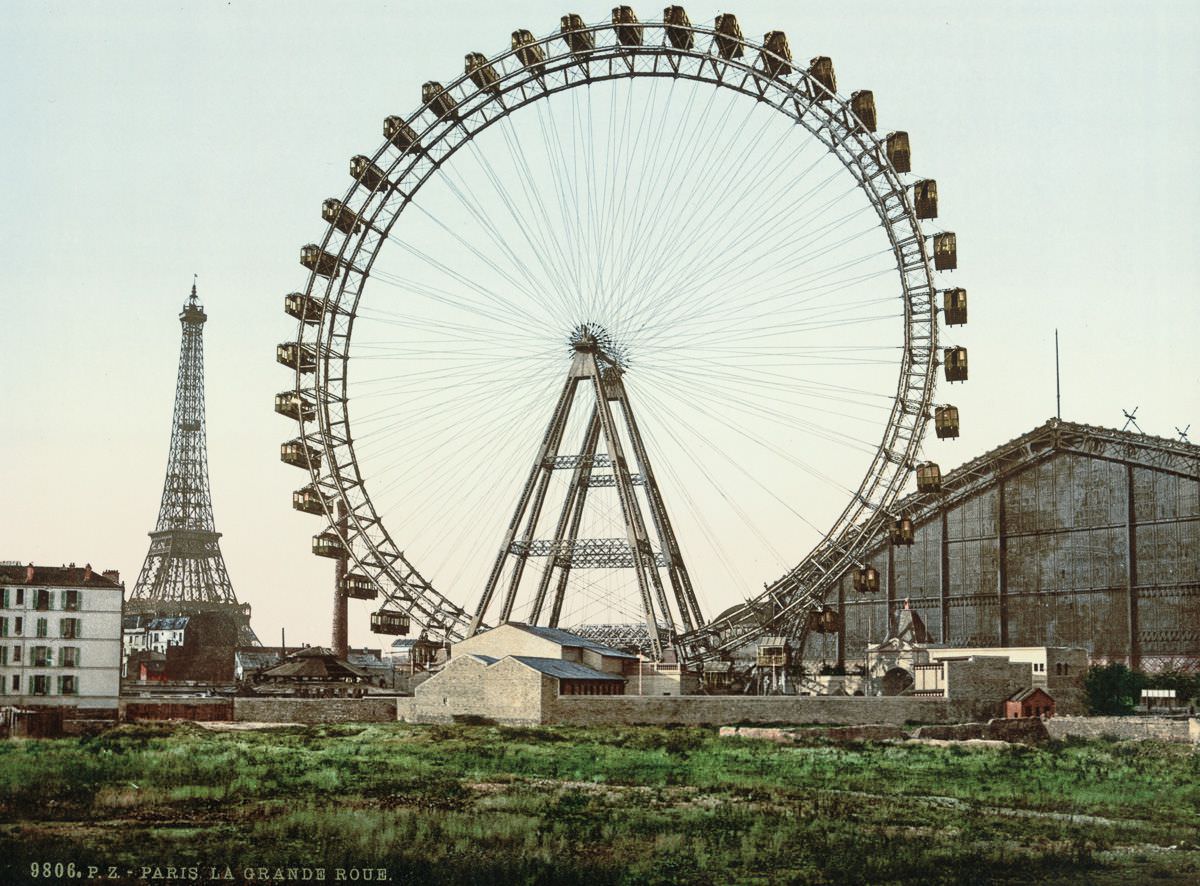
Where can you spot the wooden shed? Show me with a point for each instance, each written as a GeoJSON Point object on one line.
{"type": "Point", "coordinates": [1032, 702]}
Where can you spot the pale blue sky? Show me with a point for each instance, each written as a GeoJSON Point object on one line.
{"type": "Point", "coordinates": [145, 142]}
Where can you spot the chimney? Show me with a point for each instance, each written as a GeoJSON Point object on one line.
{"type": "Point", "coordinates": [112, 575]}
{"type": "Point", "coordinates": [87, 571]}
{"type": "Point", "coordinates": [29, 574]}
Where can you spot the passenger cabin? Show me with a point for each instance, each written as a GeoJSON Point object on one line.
{"type": "Point", "coordinates": [329, 544]}
{"type": "Point", "coordinates": [776, 55]}
{"type": "Point", "coordinates": [296, 356]}
{"type": "Point", "coordinates": [729, 40]}
{"type": "Point", "coordinates": [718, 675]}
{"type": "Point", "coordinates": [299, 454]}
{"type": "Point", "coordinates": [308, 500]}
{"type": "Point", "coordinates": [954, 361]}
{"type": "Point", "coordinates": [397, 131]}
{"type": "Point", "coordinates": [368, 173]}
{"type": "Point", "coordinates": [929, 477]}
{"type": "Point", "coordinates": [823, 621]}
{"type": "Point", "coordinates": [294, 405]}
{"type": "Point", "coordinates": [925, 198]}
{"type": "Point", "coordinates": [319, 261]}
{"type": "Point", "coordinates": [575, 34]}
{"type": "Point", "coordinates": [340, 216]}
{"type": "Point", "coordinates": [945, 422]}
{"type": "Point", "coordinates": [898, 153]}
{"type": "Point", "coordinates": [773, 652]}
{"type": "Point", "coordinates": [679, 27]}
{"type": "Point", "coordinates": [303, 307]}
{"type": "Point", "coordinates": [482, 74]}
{"type": "Point", "coordinates": [625, 23]}
{"type": "Point", "coordinates": [866, 580]}
{"type": "Point", "coordinates": [390, 621]}
{"type": "Point", "coordinates": [862, 103]}
{"type": "Point", "coordinates": [821, 70]}
{"type": "Point", "coordinates": [529, 51]}
{"type": "Point", "coordinates": [901, 532]}
{"type": "Point", "coordinates": [945, 252]}
{"type": "Point", "coordinates": [358, 587]}
{"type": "Point", "coordinates": [435, 97]}
{"type": "Point", "coordinates": [954, 307]}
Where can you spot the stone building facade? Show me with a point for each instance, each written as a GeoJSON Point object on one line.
{"type": "Point", "coordinates": [60, 637]}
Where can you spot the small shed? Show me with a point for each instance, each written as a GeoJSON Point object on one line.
{"type": "Point", "coordinates": [1031, 702]}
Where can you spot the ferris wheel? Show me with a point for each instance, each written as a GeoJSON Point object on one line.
{"type": "Point", "coordinates": [624, 325]}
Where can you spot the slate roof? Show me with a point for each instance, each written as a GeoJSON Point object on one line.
{"type": "Point", "coordinates": [55, 576]}
{"type": "Point", "coordinates": [565, 670]}
{"type": "Point", "coordinates": [566, 638]}
{"type": "Point", "coordinates": [175, 623]}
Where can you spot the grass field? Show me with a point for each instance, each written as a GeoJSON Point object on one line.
{"type": "Point", "coordinates": [488, 805]}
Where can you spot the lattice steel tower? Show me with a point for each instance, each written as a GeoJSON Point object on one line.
{"type": "Point", "coordinates": [184, 571]}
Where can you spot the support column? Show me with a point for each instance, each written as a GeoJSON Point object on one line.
{"type": "Point", "coordinates": [945, 577]}
{"type": "Point", "coordinates": [891, 592]}
{"type": "Point", "coordinates": [841, 629]}
{"type": "Point", "coordinates": [1133, 643]}
{"type": "Point", "coordinates": [1002, 555]}
{"type": "Point", "coordinates": [341, 639]}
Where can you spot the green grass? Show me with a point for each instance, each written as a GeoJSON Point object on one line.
{"type": "Point", "coordinates": [490, 805]}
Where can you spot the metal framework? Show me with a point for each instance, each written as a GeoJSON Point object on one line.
{"type": "Point", "coordinates": [184, 570]}
{"type": "Point", "coordinates": [1096, 549]}
{"type": "Point", "coordinates": [594, 367]}
{"type": "Point", "coordinates": [386, 183]}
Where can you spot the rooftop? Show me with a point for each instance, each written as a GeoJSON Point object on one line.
{"type": "Point", "coordinates": [565, 670]}
{"type": "Point", "coordinates": [566, 638]}
{"type": "Point", "coordinates": [56, 576]}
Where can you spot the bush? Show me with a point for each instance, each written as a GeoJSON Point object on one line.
{"type": "Point", "coordinates": [1113, 689]}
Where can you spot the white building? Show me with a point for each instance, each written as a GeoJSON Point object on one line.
{"type": "Point", "coordinates": [60, 636]}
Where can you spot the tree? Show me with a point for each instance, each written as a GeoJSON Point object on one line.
{"type": "Point", "coordinates": [1113, 688]}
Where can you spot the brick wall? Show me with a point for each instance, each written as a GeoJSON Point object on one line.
{"type": "Point", "coordinates": [1124, 728]}
{"type": "Point", "coordinates": [372, 709]}
{"type": "Point", "coordinates": [176, 709]}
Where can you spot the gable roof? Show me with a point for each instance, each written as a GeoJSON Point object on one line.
{"type": "Point", "coordinates": [1023, 694]}
{"type": "Point", "coordinates": [564, 670]}
{"type": "Point", "coordinates": [566, 638]}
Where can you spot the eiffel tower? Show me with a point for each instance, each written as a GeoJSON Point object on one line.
{"type": "Point", "coordinates": [597, 365]}
{"type": "Point", "coordinates": [184, 572]}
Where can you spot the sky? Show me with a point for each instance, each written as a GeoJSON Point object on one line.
{"type": "Point", "coordinates": [147, 142]}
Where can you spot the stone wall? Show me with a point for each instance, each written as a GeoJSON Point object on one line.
{"type": "Point", "coordinates": [1124, 728]}
{"type": "Point", "coordinates": [718, 710]}
{"type": "Point", "coordinates": [507, 692]}
{"type": "Point", "coordinates": [371, 709]}
{"type": "Point", "coordinates": [985, 682]}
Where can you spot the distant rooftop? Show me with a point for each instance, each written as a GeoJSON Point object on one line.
{"type": "Point", "coordinates": [56, 576]}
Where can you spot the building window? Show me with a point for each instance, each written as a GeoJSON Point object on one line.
{"type": "Point", "coordinates": [16, 682]}
{"type": "Point", "coordinates": [3, 627]}
{"type": "Point", "coordinates": [70, 656]}
{"type": "Point", "coordinates": [69, 628]}
{"type": "Point", "coordinates": [41, 627]}
{"type": "Point", "coordinates": [3, 598]}
{"type": "Point", "coordinates": [68, 684]}
{"type": "Point", "coordinates": [18, 626]}
{"type": "Point", "coordinates": [42, 657]}
{"type": "Point", "coordinates": [3, 655]}
{"type": "Point", "coordinates": [41, 685]}
{"type": "Point", "coordinates": [42, 599]}
{"type": "Point", "coordinates": [71, 600]}
{"type": "Point", "coordinates": [20, 596]}
{"type": "Point", "coordinates": [16, 655]}
{"type": "Point", "coordinates": [1065, 668]}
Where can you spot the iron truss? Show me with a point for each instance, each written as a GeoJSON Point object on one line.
{"type": "Point", "coordinates": [585, 553]}
{"type": "Point", "coordinates": [184, 570]}
{"type": "Point", "coordinates": [397, 170]}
